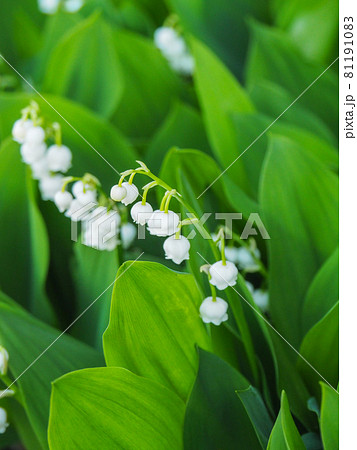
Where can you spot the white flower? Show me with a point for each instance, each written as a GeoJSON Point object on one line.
{"type": "Point", "coordinates": [31, 153]}
{"type": "Point", "coordinates": [73, 5]}
{"type": "Point", "coordinates": [169, 42]}
{"type": "Point", "coordinates": [20, 129]}
{"type": "Point", "coordinates": [223, 276]}
{"type": "Point", "coordinates": [59, 158]}
{"type": "Point", "coordinates": [128, 233]}
{"type": "Point", "coordinates": [48, 6]}
{"type": "Point", "coordinates": [177, 249]}
{"type": "Point", "coordinates": [250, 287]}
{"type": "Point", "coordinates": [162, 223]}
{"type": "Point", "coordinates": [49, 185]}
{"type": "Point", "coordinates": [141, 213]}
{"type": "Point", "coordinates": [245, 260]}
{"type": "Point", "coordinates": [261, 299]}
{"type": "Point", "coordinates": [131, 193]}
{"type": "Point", "coordinates": [3, 420]}
{"type": "Point", "coordinates": [214, 311]}
{"type": "Point", "coordinates": [100, 230]}
{"type": "Point", "coordinates": [4, 358]}
{"type": "Point", "coordinates": [63, 200]}
{"type": "Point", "coordinates": [118, 193]}
{"type": "Point", "coordinates": [183, 64]}
{"type": "Point", "coordinates": [35, 136]}
{"type": "Point", "coordinates": [77, 211]}
{"type": "Point", "coordinates": [40, 168]}
{"type": "Point", "coordinates": [85, 194]}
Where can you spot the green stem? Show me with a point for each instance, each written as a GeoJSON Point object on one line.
{"type": "Point", "coordinates": [163, 201]}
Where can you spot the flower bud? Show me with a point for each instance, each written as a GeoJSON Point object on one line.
{"type": "Point", "coordinates": [4, 358]}
{"type": "Point", "coordinates": [89, 196]}
{"type": "Point", "coordinates": [63, 200]}
{"type": "Point", "coordinates": [3, 420]}
{"type": "Point", "coordinates": [31, 153]}
{"type": "Point", "coordinates": [59, 158]}
{"type": "Point", "coordinates": [214, 311]}
{"type": "Point", "coordinates": [223, 276]}
{"type": "Point", "coordinates": [118, 193]}
{"type": "Point", "coordinates": [40, 168]}
{"type": "Point", "coordinates": [50, 185]}
{"type": "Point", "coordinates": [162, 223]}
{"type": "Point", "coordinates": [20, 129]}
{"type": "Point", "coordinates": [128, 233]}
{"type": "Point", "coordinates": [35, 136]}
{"type": "Point", "coordinates": [131, 193]}
{"type": "Point", "coordinates": [177, 249]}
{"type": "Point", "coordinates": [141, 213]}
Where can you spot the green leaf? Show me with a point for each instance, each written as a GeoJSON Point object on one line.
{"type": "Point", "coordinates": [84, 66]}
{"type": "Point", "coordinates": [274, 57]}
{"type": "Point", "coordinates": [329, 417]}
{"type": "Point", "coordinates": [299, 202]}
{"type": "Point", "coordinates": [285, 434]}
{"type": "Point", "coordinates": [115, 409]}
{"type": "Point", "coordinates": [59, 355]}
{"type": "Point", "coordinates": [322, 293]}
{"type": "Point", "coordinates": [215, 417]}
{"type": "Point", "coordinates": [155, 324]}
{"type": "Point", "coordinates": [23, 234]}
{"type": "Point", "coordinates": [320, 349]}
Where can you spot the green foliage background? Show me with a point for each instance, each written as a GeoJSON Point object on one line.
{"type": "Point", "coordinates": [159, 378]}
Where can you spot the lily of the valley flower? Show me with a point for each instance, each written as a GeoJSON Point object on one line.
{"type": "Point", "coordinates": [3, 420]}
{"type": "Point", "coordinates": [223, 275]}
{"type": "Point", "coordinates": [127, 234]}
{"type": "Point", "coordinates": [85, 194]}
{"type": "Point", "coordinates": [40, 168]}
{"type": "Point", "coordinates": [245, 260]}
{"type": "Point", "coordinates": [50, 185]}
{"type": "Point", "coordinates": [131, 193]}
{"type": "Point", "coordinates": [141, 213]}
{"type": "Point", "coordinates": [163, 223]}
{"type": "Point", "coordinates": [4, 359]}
{"type": "Point", "coordinates": [261, 299]}
{"type": "Point", "coordinates": [35, 136]}
{"type": "Point", "coordinates": [31, 153]}
{"type": "Point", "coordinates": [177, 249]}
{"type": "Point", "coordinates": [214, 310]}
{"type": "Point", "coordinates": [20, 128]}
{"type": "Point", "coordinates": [118, 193]}
{"type": "Point", "coordinates": [63, 200]}
{"type": "Point", "coordinates": [101, 229]}
{"type": "Point", "coordinates": [59, 158]}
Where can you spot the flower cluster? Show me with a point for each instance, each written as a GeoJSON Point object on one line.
{"type": "Point", "coordinates": [174, 49]}
{"type": "Point", "coordinates": [52, 6]}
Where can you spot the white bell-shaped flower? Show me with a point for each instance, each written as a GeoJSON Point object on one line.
{"type": "Point", "coordinates": [261, 299]}
{"type": "Point", "coordinates": [131, 193]}
{"type": "Point", "coordinates": [118, 193]}
{"type": "Point", "coordinates": [63, 200]}
{"type": "Point", "coordinates": [169, 42]}
{"type": "Point", "coordinates": [20, 129]}
{"type": "Point", "coordinates": [50, 185]}
{"type": "Point", "coordinates": [214, 311]}
{"type": "Point", "coordinates": [141, 213]}
{"type": "Point", "coordinates": [183, 64]}
{"type": "Point", "coordinates": [77, 211]}
{"type": "Point", "coordinates": [128, 233]}
{"type": "Point", "coordinates": [35, 136]}
{"type": "Point", "coordinates": [163, 223]}
{"type": "Point", "coordinates": [31, 153]}
{"type": "Point", "coordinates": [59, 158]}
{"type": "Point", "coordinates": [177, 249]}
{"type": "Point", "coordinates": [101, 229]}
{"type": "Point", "coordinates": [245, 260]}
{"type": "Point", "coordinates": [84, 194]}
{"type": "Point", "coordinates": [223, 276]}
{"type": "Point", "coordinates": [4, 359]}
{"type": "Point", "coordinates": [40, 168]}
{"type": "Point", "coordinates": [3, 420]}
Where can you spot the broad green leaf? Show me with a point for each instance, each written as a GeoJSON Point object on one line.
{"type": "Point", "coordinates": [329, 417]}
{"type": "Point", "coordinates": [215, 417]}
{"type": "Point", "coordinates": [298, 199]}
{"type": "Point", "coordinates": [320, 349]}
{"type": "Point", "coordinates": [322, 293]}
{"type": "Point", "coordinates": [148, 94]}
{"type": "Point", "coordinates": [222, 26]}
{"type": "Point", "coordinates": [285, 435]}
{"type": "Point", "coordinates": [93, 271]}
{"type": "Point", "coordinates": [84, 67]}
{"type": "Point", "coordinates": [115, 409]}
{"type": "Point", "coordinates": [155, 324]}
{"type": "Point", "coordinates": [23, 235]}
{"type": "Point", "coordinates": [27, 339]}
{"type": "Point", "coordinates": [274, 57]}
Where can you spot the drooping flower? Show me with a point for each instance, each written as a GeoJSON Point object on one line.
{"type": "Point", "coordinates": [245, 260]}
{"type": "Point", "coordinates": [261, 299]}
{"type": "Point", "coordinates": [131, 193]}
{"type": "Point", "coordinates": [35, 136]}
{"type": "Point", "coordinates": [128, 233]}
{"type": "Point", "coordinates": [50, 185]}
{"type": "Point", "coordinates": [85, 194]}
{"type": "Point", "coordinates": [214, 311]}
{"type": "Point", "coordinates": [31, 153]}
{"type": "Point", "coordinates": [78, 211]}
{"type": "Point", "coordinates": [141, 213]}
{"type": "Point", "coordinates": [3, 420]}
{"type": "Point", "coordinates": [177, 249]}
{"type": "Point", "coordinates": [63, 200]}
{"type": "Point", "coordinates": [101, 229]}
{"type": "Point", "coordinates": [4, 359]}
{"type": "Point", "coordinates": [222, 275]}
{"type": "Point", "coordinates": [163, 223]}
{"type": "Point", "coordinates": [59, 158]}
{"type": "Point", "coordinates": [118, 193]}
{"type": "Point", "coordinates": [40, 168]}
{"type": "Point", "coordinates": [20, 128]}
